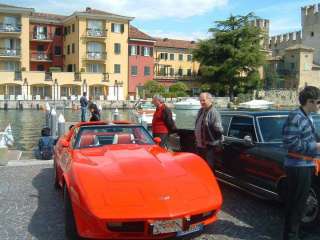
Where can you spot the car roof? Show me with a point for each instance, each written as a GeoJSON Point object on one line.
{"type": "Point", "coordinates": [256, 113]}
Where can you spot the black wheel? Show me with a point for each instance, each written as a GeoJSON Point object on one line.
{"type": "Point", "coordinates": [311, 216]}
{"type": "Point", "coordinates": [55, 177]}
{"type": "Point", "coordinates": [70, 224]}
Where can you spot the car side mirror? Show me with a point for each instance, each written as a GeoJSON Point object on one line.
{"type": "Point", "coordinates": [248, 140]}
{"type": "Point", "coordinates": [157, 140]}
{"type": "Point", "coordinates": [64, 143]}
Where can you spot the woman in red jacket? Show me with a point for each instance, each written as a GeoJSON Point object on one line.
{"type": "Point", "coordinates": [162, 122]}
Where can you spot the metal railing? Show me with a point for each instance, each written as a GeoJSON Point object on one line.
{"type": "Point", "coordinates": [41, 36]}
{"type": "Point", "coordinates": [96, 55]}
{"type": "Point", "coordinates": [4, 27]}
{"type": "Point", "coordinates": [48, 76]}
{"type": "Point", "coordinates": [7, 52]}
{"type": "Point", "coordinates": [94, 32]}
{"type": "Point", "coordinates": [40, 56]}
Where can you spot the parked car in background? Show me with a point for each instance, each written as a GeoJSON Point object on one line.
{"type": "Point", "coordinates": [252, 156]}
{"type": "Point", "coordinates": [119, 184]}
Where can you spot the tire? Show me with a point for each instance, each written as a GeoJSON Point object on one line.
{"type": "Point", "coordinates": [311, 216]}
{"type": "Point", "coordinates": [70, 224]}
{"type": "Point", "coordinates": [55, 177]}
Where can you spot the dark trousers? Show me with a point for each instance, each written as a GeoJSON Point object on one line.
{"type": "Point", "coordinates": [83, 114]}
{"type": "Point", "coordinates": [164, 139]}
{"type": "Point", "coordinates": [299, 184]}
{"type": "Point", "coordinates": [207, 154]}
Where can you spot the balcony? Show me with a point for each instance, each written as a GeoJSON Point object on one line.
{"type": "Point", "coordinates": [96, 56]}
{"type": "Point", "coordinates": [10, 53]}
{"type": "Point", "coordinates": [95, 33]}
{"type": "Point", "coordinates": [43, 37]}
{"type": "Point", "coordinates": [40, 56]}
{"type": "Point", "coordinates": [10, 28]}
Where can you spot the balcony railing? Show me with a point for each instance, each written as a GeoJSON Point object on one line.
{"type": "Point", "coordinates": [4, 27]}
{"type": "Point", "coordinates": [94, 32]}
{"type": "Point", "coordinates": [6, 52]}
{"type": "Point", "coordinates": [40, 56]}
{"type": "Point", "coordinates": [96, 56]}
{"type": "Point", "coordinates": [41, 36]}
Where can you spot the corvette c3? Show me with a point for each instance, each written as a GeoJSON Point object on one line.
{"type": "Point", "coordinates": [118, 183]}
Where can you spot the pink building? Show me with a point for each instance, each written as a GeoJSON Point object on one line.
{"type": "Point", "coordinates": [141, 62]}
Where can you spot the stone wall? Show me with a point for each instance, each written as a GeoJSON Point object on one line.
{"type": "Point", "coordinates": [280, 97]}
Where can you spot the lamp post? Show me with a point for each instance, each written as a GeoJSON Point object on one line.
{"type": "Point", "coordinates": [116, 86]}
{"type": "Point", "coordinates": [84, 86]}
{"type": "Point", "coordinates": [25, 83]}
{"type": "Point", "coordinates": [55, 89]}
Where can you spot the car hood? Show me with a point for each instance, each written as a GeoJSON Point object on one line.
{"type": "Point", "coordinates": [145, 182]}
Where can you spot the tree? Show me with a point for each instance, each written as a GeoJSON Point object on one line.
{"type": "Point", "coordinates": [232, 54]}
{"type": "Point", "coordinates": [178, 89]}
{"type": "Point", "coordinates": [153, 87]}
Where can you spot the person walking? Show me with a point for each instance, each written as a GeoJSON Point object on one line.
{"type": "Point", "coordinates": [95, 113]}
{"type": "Point", "coordinates": [84, 105]}
{"type": "Point", "coordinates": [208, 129]}
{"type": "Point", "coordinates": [301, 141]}
{"type": "Point", "coordinates": [162, 121]}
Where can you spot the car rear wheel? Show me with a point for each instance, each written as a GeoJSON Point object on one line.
{"type": "Point", "coordinates": [312, 212]}
{"type": "Point", "coordinates": [70, 224]}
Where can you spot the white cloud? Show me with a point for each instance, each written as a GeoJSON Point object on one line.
{"type": "Point", "coordinates": [142, 9]}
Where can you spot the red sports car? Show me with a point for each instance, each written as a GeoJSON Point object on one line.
{"type": "Point", "coordinates": [118, 183]}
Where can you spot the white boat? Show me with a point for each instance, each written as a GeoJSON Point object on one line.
{"type": "Point", "coordinates": [6, 137]}
{"type": "Point", "coordinates": [256, 104]}
{"type": "Point", "coordinates": [188, 104]}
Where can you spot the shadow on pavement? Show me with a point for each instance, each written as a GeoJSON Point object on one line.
{"type": "Point", "coordinates": [47, 221]}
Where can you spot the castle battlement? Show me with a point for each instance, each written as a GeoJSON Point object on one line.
{"type": "Point", "coordinates": [310, 10]}
{"type": "Point", "coordinates": [261, 23]}
{"type": "Point", "coordinates": [286, 38]}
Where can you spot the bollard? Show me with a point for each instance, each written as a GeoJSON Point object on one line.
{"type": "Point", "coordinates": [38, 106]}
{"type": "Point", "coordinates": [115, 115]}
{"type": "Point", "coordinates": [21, 106]}
{"type": "Point", "coordinates": [47, 113]}
{"type": "Point", "coordinates": [61, 125]}
{"type": "Point", "coordinates": [5, 106]}
{"type": "Point", "coordinates": [53, 122]}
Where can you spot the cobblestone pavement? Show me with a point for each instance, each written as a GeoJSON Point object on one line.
{"type": "Point", "coordinates": [31, 209]}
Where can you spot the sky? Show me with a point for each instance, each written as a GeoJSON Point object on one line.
{"type": "Point", "coordinates": [182, 19]}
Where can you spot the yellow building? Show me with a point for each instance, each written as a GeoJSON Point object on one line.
{"type": "Point", "coordinates": [174, 62]}
{"type": "Point", "coordinates": [96, 46]}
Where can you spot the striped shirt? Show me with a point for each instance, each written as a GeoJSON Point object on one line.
{"type": "Point", "coordinates": [299, 137]}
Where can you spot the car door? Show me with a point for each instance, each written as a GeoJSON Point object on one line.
{"type": "Point", "coordinates": [239, 140]}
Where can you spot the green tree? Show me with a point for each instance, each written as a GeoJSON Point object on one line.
{"type": "Point", "coordinates": [178, 89]}
{"type": "Point", "coordinates": [153, 87]}
{"type": "Point", "coordinates": [232, 54]}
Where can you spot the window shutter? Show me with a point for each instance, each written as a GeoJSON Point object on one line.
{"type": "Point", "coordinates": [130, 47]}
{"type": "Point", "coordinates": [151, 51]}
{"type": "Point", "coordinates": [112, 27]}
{"type": "Point", "coordinates": [138, 50]}
{"type": "Point", "coordinates": [122, 28]}
{"type": "Point", "coordinates": [142, 51]}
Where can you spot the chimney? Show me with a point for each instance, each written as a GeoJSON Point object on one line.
{"type": "Point", "coordinates": [88, 9]}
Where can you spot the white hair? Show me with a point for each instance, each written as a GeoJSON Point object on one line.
{"type": "Point", "coordinates": [208, 95]}
{"type": "Point", "coordinates": [159, 97]}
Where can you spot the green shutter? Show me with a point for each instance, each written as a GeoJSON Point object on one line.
{"type": "Point", "coordinates": [151, 51]}
{"type": "Point", "coordinates": [112, 27]}
{"type": "Point", "coordinates": [122, 28]}
{"type": "Point", "coordinates": [130, 47]}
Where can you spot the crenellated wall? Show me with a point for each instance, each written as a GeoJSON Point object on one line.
{"type": "Point", "coordinates": [280, 42]}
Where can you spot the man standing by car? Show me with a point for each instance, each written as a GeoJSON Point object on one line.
{"type": "Point", "coordinates": [208, 129]}
{"type": "Point", "coordinates": [300, 138]}
{"type": "Point", "coordinates": [84, 105]}
{"type": "Point", "coordinates": [162, 121]}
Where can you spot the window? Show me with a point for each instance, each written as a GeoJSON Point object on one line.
{"type": "Point", "coordinates": [73, 47]}
{"type": "Point", "coordinates": [69, 68]}
{"type": "Point", "coordinates": [95, 68]}
{"type": "Point", "coordinates": [171, 71]}
{"type": "Point", "coordinates": [69, 29]}
{"type": "Point", "coordinates": [117, 48]}
{"type": "Point", "coordinates": [241, 127]}
{"type": "Point", "coordinates": [225, 120]}
{"type": "Point", "coordinates": [40, 48]}
{"type": "Point", "coordinates": [132, 50]}
{"type": "Point", "coordinates": [57, 50]}
{"type": "Point", "coordinates": [68, 49]}
{"type": "Point", "coordinates": [146, 71]}
{"type": "Point", "coordinates": [95, 50]}
{"type": "Point", "coordinates": [180, 72]}
{"type": "Point", "coordinates": [189, 72]}
{"type": "Point", "coordinates": [134, 70]}
{"type": "Point", "coordinates": [180, 57]}
{"type": "Point", "coordinates": [117, 68]}
{"type": "Point", "coordinates": [40, 68]}
{"type": "Point", "coordinates": [11, 66]}
{"type": "Point", "coordinates": [73, 28]}
{"type": "Point", "coordinates": [65, 31]}
{"type": "Point", "coordinates": [311, 34]}
{"type": "Point", "coordinates": [164, 56]}
{"type": "Point", "coordinates": [117, 28]}
{"type": "Point", "coordinates": [189, 57]}
{"type": "Point", "coordinates": [145, 51]}
{"type": "Point", "coordinates": [271, 127]}
{"type": "Point", "coordinates": [172, 56]}
{"type": "Point", "coordinates": [57, 31]}
{"type": "Point", "coordinates": [95, 28]}
{"type": "Point", "coordinates": [74, 68]}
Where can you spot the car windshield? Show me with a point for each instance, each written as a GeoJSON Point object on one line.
{"type": "Point", "coordinates": [271, 127]}
{"type": "Point", "coordinates": [96, 136]}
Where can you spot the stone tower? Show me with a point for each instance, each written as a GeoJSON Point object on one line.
{"type": "Point", "coordinates": [310, 22]}
{"type": "Point", "coordinates": [263, 24]}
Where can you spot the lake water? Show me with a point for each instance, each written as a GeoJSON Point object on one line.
{"type": "Point", "coordinates": [27, 124]}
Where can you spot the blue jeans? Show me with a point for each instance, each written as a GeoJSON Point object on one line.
{"type": "Point", "coordinates": [83, 114]}
{"type": "Point", "coordinates": [207, 154]}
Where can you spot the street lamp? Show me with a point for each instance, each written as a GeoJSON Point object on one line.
{"type": "Point", "coordinates": [116, 88]}
{"type": "Point", "coordinates": [55, 89]}
{"type": "Point", "coordinates": [84, 85]}
{"type": "Point", "coordinates": [25, 83]}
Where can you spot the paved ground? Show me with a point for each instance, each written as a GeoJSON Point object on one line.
{"type": "Point", "coordinates": [31, 209]}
